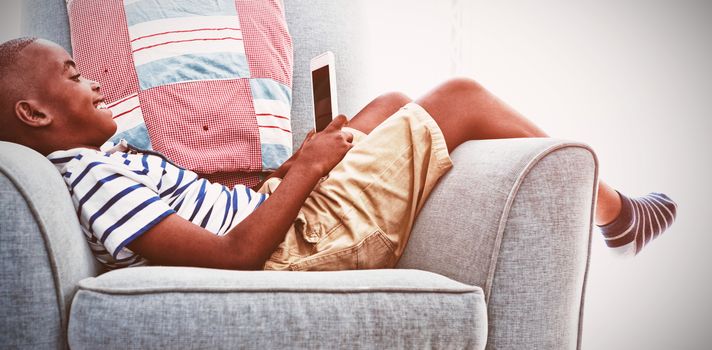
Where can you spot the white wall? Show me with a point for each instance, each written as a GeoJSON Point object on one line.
{"type": "Point", "coordinates": [631, 78]}
{"type": "Point", "coordinates": [9, 19]}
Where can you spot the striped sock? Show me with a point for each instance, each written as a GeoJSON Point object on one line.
{"type": "Point", "coordinates": [640, 221]}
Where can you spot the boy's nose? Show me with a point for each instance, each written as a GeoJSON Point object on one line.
{"type": "Point", "coordinates": [95, 85]}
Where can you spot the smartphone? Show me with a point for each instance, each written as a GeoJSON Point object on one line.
{"type": "Point", "coordinates": [323, 79]}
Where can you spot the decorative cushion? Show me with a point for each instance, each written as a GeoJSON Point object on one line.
{"type": "Point", "coordinates": [207, 83]}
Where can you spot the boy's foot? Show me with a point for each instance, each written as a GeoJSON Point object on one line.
{"type": "Point", "coordinates": [640, 221]}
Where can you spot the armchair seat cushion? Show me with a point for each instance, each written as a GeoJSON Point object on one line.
{"type": "Point", "coordinates": [177, 307]}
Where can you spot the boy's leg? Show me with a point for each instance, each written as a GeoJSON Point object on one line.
{"type": "Point", "coordinates": [465, 111]}
{"type": "Point", "coordinates": [378, 110]}
{"type": "Point", "coordinates": [463, 102]}
{"type": "Point", "coordinates": [456, 103]}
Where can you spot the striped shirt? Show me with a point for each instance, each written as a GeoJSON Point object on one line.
{"type": "Point", "coordinates": [122, 193]}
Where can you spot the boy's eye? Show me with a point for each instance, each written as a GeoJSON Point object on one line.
{"type": "Point", "coordinates": [75, 77]}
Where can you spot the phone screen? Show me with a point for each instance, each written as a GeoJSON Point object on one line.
{"type": "Point", "coordinates": [322, 97]}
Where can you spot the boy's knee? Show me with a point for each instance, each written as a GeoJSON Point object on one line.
{"type": "Point", "coordinates": [463, 84]}
{"type": "Point", "coordinates": [395, 99]}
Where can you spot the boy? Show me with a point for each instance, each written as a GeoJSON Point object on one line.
{"type": "Point", "coordinates": [346, 199]}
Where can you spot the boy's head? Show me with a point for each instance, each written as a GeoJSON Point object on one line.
{"type": "Point", "coordinates": [45, 103]}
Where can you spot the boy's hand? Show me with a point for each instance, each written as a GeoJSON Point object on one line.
{"type": "Point", "coordinates": [322, 151]}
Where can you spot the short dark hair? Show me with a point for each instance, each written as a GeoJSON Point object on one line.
{"type": "Point", "coordinates": [10, 49]}
{"type": "Point", "coordinates": [9, 92]}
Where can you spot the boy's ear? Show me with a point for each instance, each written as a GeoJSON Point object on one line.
{"type": "Point", "coordinates": [27, 112]}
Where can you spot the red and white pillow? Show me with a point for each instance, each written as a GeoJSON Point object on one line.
{"type": "Point", "coordinates": [207, 83]}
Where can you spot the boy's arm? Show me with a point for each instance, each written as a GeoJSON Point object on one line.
{"type": "Point", "coordinates": [176, 241]}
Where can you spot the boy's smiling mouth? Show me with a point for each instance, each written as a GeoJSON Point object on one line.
{"type": "Point", "coordinates": [100, 104]}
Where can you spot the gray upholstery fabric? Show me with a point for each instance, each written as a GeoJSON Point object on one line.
{"type": "Point", "coordinates": [519, 228]}
{"type": "Point", "coordinates": [28, 299]}
{"type": "Point", "coordinates": [557, 196]}
{"type": "Point", "coordinates": [48, 20]}
{"type": "Point", "coordinates": [174, 308]}
{"type": "Point", "coordinates": [43, 250]}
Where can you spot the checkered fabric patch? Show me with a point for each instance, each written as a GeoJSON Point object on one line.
{"type": "Point", "coordinates": [208, 83]}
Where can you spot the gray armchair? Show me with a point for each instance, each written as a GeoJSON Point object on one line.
{"type": "Point", "coordinates": [497, 258]}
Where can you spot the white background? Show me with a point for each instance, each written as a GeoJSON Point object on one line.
{"type": "Point", "coordinates": [631, 78]}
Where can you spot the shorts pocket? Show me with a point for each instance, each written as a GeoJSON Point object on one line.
{"type": "Point", "coordinates": [375, 251]}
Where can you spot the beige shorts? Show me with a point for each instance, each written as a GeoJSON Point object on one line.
{"type": "Point", "coordinates": [360, 216]}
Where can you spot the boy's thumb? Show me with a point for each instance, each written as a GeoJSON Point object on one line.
{"type": "Point", "coordinates": [339, 122]}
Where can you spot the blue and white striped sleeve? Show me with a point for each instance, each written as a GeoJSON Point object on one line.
{"type": "Point", "coordinates": [114, 203]}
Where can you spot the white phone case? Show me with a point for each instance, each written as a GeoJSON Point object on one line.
{"type": "Point", "coordinates": [325, 59]}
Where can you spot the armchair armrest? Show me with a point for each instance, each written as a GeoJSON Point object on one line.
{"type": "Point", "coordinates": [42, 247]}
{"type": "Point", "coordinates": [515, 216]}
